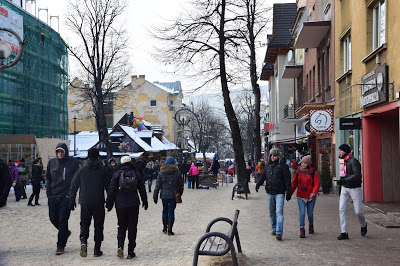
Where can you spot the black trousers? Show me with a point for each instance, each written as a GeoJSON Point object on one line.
{"type": "Point", "coordinates": [127, 219]}
{"type": "Point", "coordinates": [98, 214]}
{"type": "Point", "coordinates": [195, 181]}
{"type": "Point", "coordinates": [35, 193]}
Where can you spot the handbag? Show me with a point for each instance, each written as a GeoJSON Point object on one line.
{"type": "Point", "coordinates": [178, 197]}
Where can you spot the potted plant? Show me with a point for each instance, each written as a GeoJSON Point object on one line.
{"type": "Point", "coordinates": [325, 177]}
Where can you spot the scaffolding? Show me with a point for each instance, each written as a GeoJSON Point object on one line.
{"type": "Point", "coordinates": [33, 93]}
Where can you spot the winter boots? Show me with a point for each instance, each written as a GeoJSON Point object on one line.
{"type": "Point", "coordinates": [311, 229]}
{"type": "Point", "coordinates": [97, 251]}
{"type": "Point", "coordinates": [170, 225]}
{"type": "Point", "coordinates": [165, 225]}
{"type": "Point", "coordinates": [83, 248]}
{"type": "Point", "coordinates": [302, 232]}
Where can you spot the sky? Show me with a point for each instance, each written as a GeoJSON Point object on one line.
{"type": "Point", "coordinates": [140, 15]}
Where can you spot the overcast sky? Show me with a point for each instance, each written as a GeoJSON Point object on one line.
{"type": "Point", "coordinates": [140, 15]}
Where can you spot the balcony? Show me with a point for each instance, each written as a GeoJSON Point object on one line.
{"type": "Point", "coordinates": [289, 113]}
{"type": "Point", "coordinates": [291, 70]}
{"type": "Point", "coordinates": [312, 27]}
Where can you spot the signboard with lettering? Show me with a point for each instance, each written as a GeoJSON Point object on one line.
{"type": "Point", "coordinates": [11, 20]}
{"type": "Point", "coordinates": [374, 87]}
{"type": "Point", "coordinates": [321, 120]}
{"type": "Point", "coordinates": [268, 127]}
{"type": "Point", "coordinates": [350, 123]}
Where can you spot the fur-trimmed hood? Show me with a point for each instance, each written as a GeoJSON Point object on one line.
{"type": "Point", "coordinates": [169, 168]}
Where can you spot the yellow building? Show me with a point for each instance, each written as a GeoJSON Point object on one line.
{"type": "Point", "coordinates": [367, 73]}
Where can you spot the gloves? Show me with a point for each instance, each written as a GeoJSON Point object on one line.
{"type": "Point", "coordinates": [257, 187]}
{"type": "Point", "coordinates": [340, 182]}
{"type": "Point", "coordinates": [145, 205]}
{"type": "Point", "coordinates": [72, 205]}
{"type": "Point", "coordinates": [155, 199]}
{"type": "Point", "coordinates": [288, 196]}
{"type": "Point", "coordinates": [109, 206]}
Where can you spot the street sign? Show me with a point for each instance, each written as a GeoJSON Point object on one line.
{"type": "Point", "coordinates": [321, 120]}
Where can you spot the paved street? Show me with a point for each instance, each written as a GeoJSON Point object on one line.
{"type": "Point", "coordinates": [28, 238]}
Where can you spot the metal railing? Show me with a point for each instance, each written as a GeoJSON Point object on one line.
{"type": "Point", "coordinates": [289, 112]}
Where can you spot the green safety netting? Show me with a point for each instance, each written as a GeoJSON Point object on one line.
{"type": "Point", "coordinates": [33, 93]}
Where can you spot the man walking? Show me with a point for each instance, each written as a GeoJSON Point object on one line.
{"type": "Point", "coordinates": [91, 180]}
{"type": "Point", "coordinates": [277, 176]}
{"type": "Point", "coordinates": [60, 171]}
{"type": "Point", "coordinates": [350, 180]}
{"type": "Point", "coordinates": [5, 183]}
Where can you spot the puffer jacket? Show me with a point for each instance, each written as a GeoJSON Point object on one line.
{"type": "Point", "coordinates": [305, 180]}
{"type": "Point", "coordinates": [168, 180]}
{"type": "Point", "coordinates": [37, 172]}
{"type": "Point", "coordinates": [126, 198]}
{"type": "Point", "coordinates": [353, 178]}
{"type": "Point", "coordinates": [193, 170]}
{"type": "Point", "coordinates": [92, 181]}
{"type": "Point", "coordinates": [59, 174]}
{"type": "Point", "coordinates": [277, 177]}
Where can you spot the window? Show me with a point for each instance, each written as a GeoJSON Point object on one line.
{"type": "Point", "coordinates": [346, 53]}
{"type": "Point", "coordinates": [378, 24]}
{"type": "Point", "coordinates": [171, 102]}
{"type": "Point", "coordinates": [153, 103]}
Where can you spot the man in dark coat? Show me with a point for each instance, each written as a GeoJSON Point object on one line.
{"type": "Point", "coordinates": [5, 183]}
{"type": "Point", "coordinates": [278, 181]}
{"type": "Point", "coordinates": [91, 180]}
{"type": "Point", "coordinates": [37, 172]}
{"type": "Point", "coordinates": [60, 171]}
{"type": "Point", "coordinates": [350, 180]}
{"type": "Point", "coordinates": [127, 203]}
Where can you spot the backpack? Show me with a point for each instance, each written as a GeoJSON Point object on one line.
{"type": "Point", "coordinates": [128, 180]}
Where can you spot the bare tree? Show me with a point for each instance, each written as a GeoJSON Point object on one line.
{"type": "Point", "coordinates": [101, 54]}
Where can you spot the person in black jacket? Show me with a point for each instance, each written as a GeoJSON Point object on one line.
{"type": "Point", "coordinates": [5, 183]}
{"type": "Point", "coordinates": [60, 171]}
{"type": "Point", "coordinates": [92, 181]}
{"type": "Point", "coordinates": [37, 172]}
{"type": "Point", "coordinates": [350, 180]}
{"type": "Point", "coordinates": [169, 181]}
{"type": "Point", "coordinates": [127, 203]}
{"type": "Point", "coordinates": [278, 181]}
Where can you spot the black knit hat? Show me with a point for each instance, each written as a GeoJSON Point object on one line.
{"type": "Point", "coordinates": [346, 148]}
{"type": "Point", "coordinates": [93, 153]}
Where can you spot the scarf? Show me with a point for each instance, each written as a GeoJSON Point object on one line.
{"type": "Point", "coordinates": [342, 165]}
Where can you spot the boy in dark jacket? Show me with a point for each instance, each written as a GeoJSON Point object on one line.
{"type": "Point", "coordinates": [92, 181]}
{"type": "Point", "coordinates": [60, 171]}
{"type": "Point", "coordinates": [127, 203]}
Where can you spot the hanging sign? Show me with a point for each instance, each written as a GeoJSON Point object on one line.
{"type": "Point", "coordinates": [374, 87]}
{"type": "Point", "coordinates": [321, 120]}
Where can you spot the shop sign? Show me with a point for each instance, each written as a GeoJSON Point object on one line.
{"type": "Point", "coordinates": [349, 123]}
{"type": "Point", "coordinates": [374, 87]}
{"type": "Point", "coordinates": [321, 120]}
{"type": "Point", "coordinates": [268, 126]}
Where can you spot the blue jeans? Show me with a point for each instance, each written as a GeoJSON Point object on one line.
{"type": "Point", "coordinates": [59, 214]}
{"type": "Point", "coordinates": [149, 182]}
{"type": "Point", "coordinates": [302, 211]}
{"type": "Point", "coordinates": [275, 203]}
{"type": "Point", "coordinates": [168, 212]}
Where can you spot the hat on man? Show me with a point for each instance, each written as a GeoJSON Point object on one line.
{"type": "Point", "coordinates": [275, 151]}
{"type": "Point", "coordinates": [125, 159]}
{"type": "Point", "coordinates": [170, 160]}
{"type": "Point", "coordinates": [346, 148]}
{"type": "Point", "coordinates": [93, 153]}
{"type": "Point", "coordinates": [9, 163]}
{"type": "Point", "coordinates": [307, 160]}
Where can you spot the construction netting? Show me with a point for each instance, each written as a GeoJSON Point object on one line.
{"type": "Point", "coordinates": [33, 93]}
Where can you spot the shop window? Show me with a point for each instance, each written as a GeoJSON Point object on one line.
{"type": "Point", "coordinates": [378, 24]}
{"type": "Point", "coordinates": [346, 43]}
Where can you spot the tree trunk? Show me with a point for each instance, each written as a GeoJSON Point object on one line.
{"type": "Point", "coordinates": [102, 128]}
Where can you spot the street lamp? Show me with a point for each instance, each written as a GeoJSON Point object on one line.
{"type": "Point", "coordinates": [74, 135]}
{"type": "Point", "coordinates": [5, 50]}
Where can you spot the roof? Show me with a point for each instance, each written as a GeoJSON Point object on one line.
{"type": "Point", "coordinates": [166, 89]}
{"type": "Point", "coordinates": [84, 140]}
{"type": "Point", "coordinates": [131, 132]}
{"type": "Point", "coordinates": [175, 86]}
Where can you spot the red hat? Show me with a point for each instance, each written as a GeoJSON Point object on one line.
{"type": "Point", "coordinates": [19, 161]}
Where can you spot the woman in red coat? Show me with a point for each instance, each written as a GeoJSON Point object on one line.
{"type": "Point", "coordinates": [306, 181]}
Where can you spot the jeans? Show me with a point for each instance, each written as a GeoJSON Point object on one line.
{"type": "Point", "coordinates": [59, 214]}
{"type": "Point", "coordinates": [275, 203]}
{"type": "Point", "coordinates": [98, 214]}
{"type": "Point", "coordinates": [356, 195]}
{"type": "Point", "coordinates": [168, 212]}
{"type": "Point", "coordinates": [302, 211]}
{"type": "Point", "coordinates": [127, 219]}
{"type": "Point", "coordinates": [149, 182]}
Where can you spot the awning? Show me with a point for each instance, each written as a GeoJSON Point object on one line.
{"type": "Point", "coordinates": [305, 109]}
{"type": "Point", "coordinates": [17, 139]}
{"type": "Point", "coordinates": [289, 140]}
{"type": "Point", "coordinates": [312, 33]}
{"type": "Point", "coordinates": [292, 72]}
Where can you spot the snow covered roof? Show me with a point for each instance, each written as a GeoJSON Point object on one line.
{"type": "Point", "coordinates": [164, 88]}
{"type": "Point", "coordinates": [145, 134]}
{"type": "Point", "coordinates": [131, 132]}
{"type": "Point", "coordinates": [176, 86]}
{"type": "Point", "coordinates": [84, 140]}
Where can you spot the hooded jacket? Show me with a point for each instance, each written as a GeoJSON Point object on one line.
{"type": "Point", "coordinates": [126, 198]}
{"type": "Point", "coordinates": [92, 181]}
{"type": "Point", "coordinates": [5, 183]}
{"type": "Point", "coordinates": [277, 177]}
{"type": "Point", "coordinates": [168, 180]}
{"type": "Point", "coordinates": [193, 170]}
{"type": "Point", "coordinates": [59, 173]}
{"type": "Point", "coordinates": [14, 173]}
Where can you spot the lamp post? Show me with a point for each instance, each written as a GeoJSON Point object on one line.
{"type": "Point", "coordinates": [5, 50]}
{"type": "Point", "coordinates": [74, 135]}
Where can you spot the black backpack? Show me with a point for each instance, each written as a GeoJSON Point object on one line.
{"type": "Point", "coordinates": [128, 180]}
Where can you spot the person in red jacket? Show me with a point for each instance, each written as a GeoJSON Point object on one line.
{"type": "Point", "coordinates": [306, 181]}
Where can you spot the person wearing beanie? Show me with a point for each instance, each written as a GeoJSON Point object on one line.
{"type": "Point", "coordinates": [37, 177]}
{"type": "Point", "coordinates": [125, 185]}
{"type": "Point", "coordinates": [350, 180]}
{"type": "Point", "coordinates": [60, 171]}
{"type": "Point", "coordinates": [92, 179]}
{"type": "Point", "coordinates": [169, 182]}
{"type": "Point", "coordinates": [306, 181]}
{"type": "Point", "coordinates": [277, 176]}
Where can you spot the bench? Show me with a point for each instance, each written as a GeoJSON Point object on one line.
{"type": "Point", "coordinates": [218, 244]}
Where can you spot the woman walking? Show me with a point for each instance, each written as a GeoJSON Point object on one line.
{"type": "Point", "coordinates": [306, 181]}
{"type": "Point", "coordinates": [194, 176]}
{"type": "Point", "coordinates": [37, 177]}
{"type": "Point", "coordinates": [170, 182]}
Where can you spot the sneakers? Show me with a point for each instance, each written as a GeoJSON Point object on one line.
{"type": "Point", "coordinates": [120, 253]}
{"type": "Point", "coordinates": [279, 237]}
{"type": "Point", "coordinates": [97, 253]}
{"type": "Point", "coordinates": [83, 250]}
{"type": "Point", "coordinates": [273, 232]}
{"type": "Point", "coordinates": [364, 230]}
{"type": "Point", "coordinates": [311, 229]}
{"type": "Point", "coordinates": [343, 236]}
{"type": "Point", "coordinates": [131, 255]}
{"type": "Point", "coordinates": [59, 251]}
{"type": "Point", "coordinates": [37, 204]}
{"type": "Point", "coordinates": [302, 232]}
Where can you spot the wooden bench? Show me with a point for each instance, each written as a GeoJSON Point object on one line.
{"type": "Point", "coordinates": [218, 244]}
